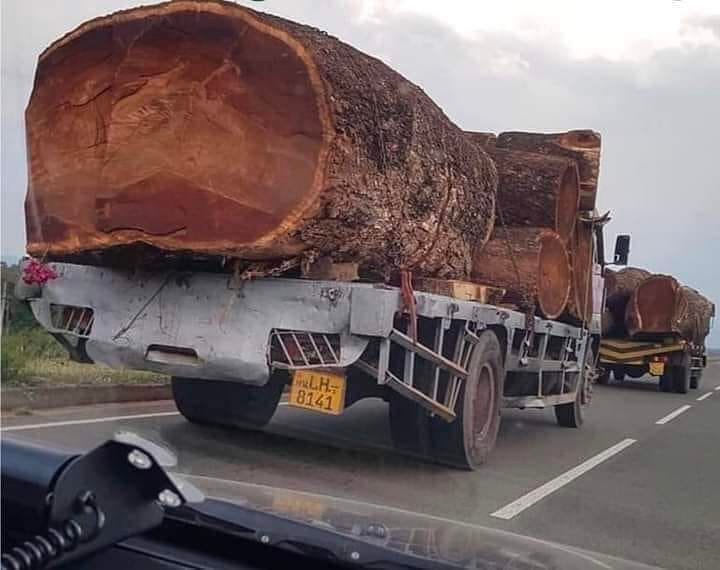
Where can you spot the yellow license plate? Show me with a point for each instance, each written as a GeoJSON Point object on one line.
{"type": "Point", "coordinates": [318, 390]}
{"type": "Point", "coordinates": [657, 368]}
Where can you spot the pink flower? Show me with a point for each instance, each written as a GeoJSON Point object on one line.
{"type": "Point", "coordinates": [35, 272]}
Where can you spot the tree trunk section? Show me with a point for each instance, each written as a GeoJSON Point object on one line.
{"type": "Point", "coordinates": [619, 287]}
{"type": "Point", "coordinates": [537, 190]}
{"type": "Point", "coordinates": [207, 129]}
{"type": "Point", "coordinates": [532, 264]}
{"type": "Point", "coordinates": [580, 145]}
{"type": "Point", "coordinates": [580, 302]}
{"type": "Point", "coordinates": [696, 326]}
{"type": "Point", "coordinates": [485, 140]}
{"type": "Point", "coordinates": [657, 306]}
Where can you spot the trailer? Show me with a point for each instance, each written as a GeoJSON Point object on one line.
{"type": "Point", "coordinates": [677, 363]}
{"type": "Point", "coordinates": [446, 367]}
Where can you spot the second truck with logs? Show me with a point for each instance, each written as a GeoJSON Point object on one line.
{"type": "Point", "coordinates": [653, 325]}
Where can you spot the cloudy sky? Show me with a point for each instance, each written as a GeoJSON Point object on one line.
{"type": "Point", "coordinates": [645, 73]}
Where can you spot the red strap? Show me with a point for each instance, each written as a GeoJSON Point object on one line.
{"type": "Point", "coordinates": [409, 303]}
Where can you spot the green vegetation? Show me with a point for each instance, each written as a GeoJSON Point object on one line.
{"type": "Point", "coordinates": [30, 356]}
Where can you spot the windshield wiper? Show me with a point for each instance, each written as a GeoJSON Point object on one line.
{"type": "Point", "coordinates": [316, 541]}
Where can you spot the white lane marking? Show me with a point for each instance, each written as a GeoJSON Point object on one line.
{"type": "Point", "coordinates": [705, 395]}
{"type": "Point", "coordinates": [528, 500]}
{"type": "Point", "coordinates": [673, 415]}
{"type": "Point", "coordinates": [717, 388]}
{"type": "Point", "coordinates": [89, 421]}
{"type": "Point", "coordinates": [96, 420]}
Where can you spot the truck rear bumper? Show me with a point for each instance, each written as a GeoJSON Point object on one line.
{"type": "Point", "coordinates": [204, 325]}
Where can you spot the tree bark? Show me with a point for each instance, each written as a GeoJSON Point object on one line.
{"type": "Point", "coordinates": [657, 306]}
{"type": "Point", "coordinates": [696, 326]}
{"type": "Point", "coordinates": [580, 145]}
{"type": "Point", "coordinates": [619, 287]}
{"type": "Point", "coordinates": [209, 129]}
{"type": "Point", "coordinates": [580, 302]}
{"type": "Point", "coordinates": [485, 140]}
{"type": "Point", "coordinates": [532, 264]}
{"type": "Point", "coordinates": [536, 190]}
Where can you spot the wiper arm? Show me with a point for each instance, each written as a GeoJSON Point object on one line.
{"type": "Point", "coordinates": [296, 536]}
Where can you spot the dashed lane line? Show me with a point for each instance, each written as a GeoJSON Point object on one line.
{"type": "Point", "coordinates": [528, 500]}
{"type": "Point", "coordinates": [672, 415]}
{"type": "Point", "coordinates": [704, 396]}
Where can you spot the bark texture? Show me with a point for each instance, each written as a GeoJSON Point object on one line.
{"type": "Point", "coordinates": [657, 306]}
{"type": "Point", "coordinates": [206, 128]}
{"type": "Point", "coordinates": [696, 326]}
{"type": "Point", "coordinates": [619, 287]}
{"type": "Point", "coordinates": [580, 145]}
{"type": "Point", "coordinates": [580, 302]}
{"type": "Point", "coordinates": [537, 190]}
{"type": "Point", "coordinates": [532, 264]}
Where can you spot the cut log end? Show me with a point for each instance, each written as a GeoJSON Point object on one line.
{"type": "Point", "coordinates": [224, 134]}
{"type": "Point", "coordinates": [553, 276]}
{"type": "Point", "coordinates": [656, 307]}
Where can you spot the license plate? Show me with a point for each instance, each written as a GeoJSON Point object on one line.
{"type": "Point", "coordinates": [657, 368]}
{"type": "Point", "coordinates": [318, 390]}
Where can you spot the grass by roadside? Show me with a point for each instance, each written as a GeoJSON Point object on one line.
{"type": "Point", "coordinates": [31, 357]}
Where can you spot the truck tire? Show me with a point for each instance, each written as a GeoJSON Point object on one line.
{"type": "Point", "coordinates": [572, 414]}
{"type": "Point", "coordinates": [619, 373]}
{"type": "Point", "coordinates": [681, 373]}
{"type": "Point", "coordinates": [467, 441]}
{"type": "Point", "coordinates": [603, 377]}
{"type": "Point", "coordinates": [696, 379]}
{"type": "Point", "coordinates": [229, 404]}
{"type": "Point", "coordinates": [665, 383]}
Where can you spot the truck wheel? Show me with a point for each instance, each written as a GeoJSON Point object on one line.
{"type": "Point", "coordinates": [572, 414]}
{"type": "Point", "coordinates": [467, 441]}
{"type": "Point", "coordinates": [665, 384]}
{"type": "Point", "coordinates": [681, 378]}
{"type": "Point", "coordinates": [696, 379]}
{"type": "Point", "coordinates": [225, 403]}
{"type": "Point", "coordinates": [619, 373]}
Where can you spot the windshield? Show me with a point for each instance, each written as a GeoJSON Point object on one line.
{"type": "Point", "coordinates": [454, 261]}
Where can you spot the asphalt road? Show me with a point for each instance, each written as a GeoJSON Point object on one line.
{"type": "Point", "coordinates": [624, 484]}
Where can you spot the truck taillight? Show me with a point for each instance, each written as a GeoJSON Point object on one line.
{"type": "Point", "coordinates": [660, 358]}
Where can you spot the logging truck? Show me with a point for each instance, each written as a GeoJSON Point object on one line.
{"type": "Point", "coordinates": [446, 364]}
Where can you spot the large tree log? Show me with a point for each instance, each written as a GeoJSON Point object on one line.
{"type": "Point", "coordinates": [580, 302]}
{"type": "Point", "coordinates": [696, 326]}
{"type": "Point", "coordinates": [537, 190]}
{"type": "Point", "coordinates": [532, 264]}
{"type": "Point", "coordinates": [657, 306]}
{"type": "Point", "coordinates": [580, 145]}
{"type": "Point", "coordinates": [206, 128]}
{"type": "Point", "coordinates": [619, 287]}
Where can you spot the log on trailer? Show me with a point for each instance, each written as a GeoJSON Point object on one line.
{"type": "Point", "coordinates": [206, 129]}
{"type": "Point", "coordinates": [657, 306]}
{"type": "Point", "coordinates": [537, 190]}
{"type": "Point", "coordinates": [696, 326]}
{"type": "Point", "coordinates": [619, 287]}
{"type": "Point", "coordinates": [580, 145]}
{"type": "Point", "coordinates": [580, 302]}
{"type": "Point", "coordinates": [532, 264]}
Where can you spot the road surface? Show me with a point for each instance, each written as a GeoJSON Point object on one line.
{"type": "Point", "coordinates": [639, 480]}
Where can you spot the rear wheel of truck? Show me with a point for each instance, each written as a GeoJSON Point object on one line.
{"type": "Point", "coordinates": [665, 382]}
{"type": "Point", "coordinates": [225, 403]}
{"type": "Point", "coordinates": [619, 373]}
{"type": "Point", "coordinates": [681, 378]}
{"type": "Point", "coordinates": [603, 377]}
{"type": "Point", "coordinates": [467, 441]}
{"type": "Point", "coordinates": [572, 414]}
{"type": "Point", "coordinates": [696, 379]}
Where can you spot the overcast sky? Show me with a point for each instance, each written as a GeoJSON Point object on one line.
{"type": "Point", "coordinates": [645, 73]}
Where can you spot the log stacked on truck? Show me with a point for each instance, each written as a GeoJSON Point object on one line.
{"type": "Point", "coordinates": [583, 146]}
{"type": "Point", "coordinates": [532, 264]}
{"type": "Point", "coordinates": [645, 305]}
{"type": "Point", "coordinates": [207, 129]}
